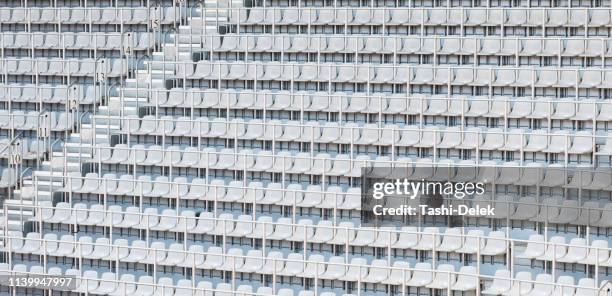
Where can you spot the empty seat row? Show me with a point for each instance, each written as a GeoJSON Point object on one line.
{"type": "Point", "coordinates": [228, 159]}
{"type": "Point", "coordinates": [549, 210]}
{"type": "Point", "coordinates": [385, 103]}
{"type": "Point", "coordinates": [532, 46]}
{"type": "Point", "coordinates": [452, 240]}
{"type": "Point", "coordinates": [81, 15]}
{"type": "Point", "coordinates": [64, 67]}
{"type": "Point", "coordinates": [254, 261]}
{"type": "Point", "coordinates": [422, 275]}
{"type": "Point", "coordinates": [510, 173]}
{"type": "Point", "coordinates": [108, 283]}
{"type": "Point", "coordinates": [523, 283]}
{"type": "Point", "coordinates": [249, 160]}
{"type": "Point", "coordinates": [77, 41]}
{"type": "Point", "coordinates": [53, 94]}
{"type": "Point", "coordinates": [545, 77]}
{"type": "Point", "coordinates": [350, 16]}
{"type": "Point", "coordinates": [429, 137]}
{"type": "Point", "coordinates": [333, 196]}
{"type": "Point", "coordinates": [504, 173]}
{"type": "Point", "coordinates": [33, 120]}
{"type": "Point", "coordinates": [576, 251]}
{"type": "Point", "coordinates": [220, 190]}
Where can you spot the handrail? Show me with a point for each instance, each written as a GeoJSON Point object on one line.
{"type": "Point", "coordinates": [81, 116]}
{"type": "Point", "coordinates": [14, 138]}
{"type": "Point", "coordinates": [21, 177]}
{"type": "Point", "coordinates": [57, 141]}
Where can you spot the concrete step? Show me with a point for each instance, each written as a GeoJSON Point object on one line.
{"type": "Point", "coordinates": [76, 140]}
{"type": "Point", "coordinates": [209, 21]}
{"type": "Point", "coordinates": [132, 82]}
{"type": "Point", "coordinates": [156, 65]}
{"type": "Point", "coordinates": [18, 215]}
{"type": "Point", "coordinates": [58, 166]}
{"type": "Point", "coordinates": [47, 175]}
{"type": "Point", "coordinates": [125, 100]}
{"type": "Point", "coordinates": [114, 109]}
{"type": "Point", "coordinates": [43, 186]}
{"type": "Point", "coordinates": [154, 73]}
{"type": "Point", "coordinates": [28, 189]}
{"type": "Point", "coordinates": [105, 122]}
{"type": "Point", "coordinates": [171, 53]}
{"type": "Point", "coordinates": [13, 225]}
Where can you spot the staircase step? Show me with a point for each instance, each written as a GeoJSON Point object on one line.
{"type": "Point", "coordinates": [16, 213]}
{"type": "Point", "coordinates": [152, 74]}
{"type": "Point", "coordinates": [157, 72]}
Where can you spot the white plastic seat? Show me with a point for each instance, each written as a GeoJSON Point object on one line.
{"type": "Point", "coordinates": [378, 272]}
{"type": "Point", "coordinates": [576, 252]}
{"type": "Point", "coordinates": [89, 282]}
{"type": "Point", "coordinates": [476, 17]}
{"type": "Point", "coordinates": [150, 218]}
{"type": "Point", "coordinates": [423, 76]}
{"type": "Point", "coordinates": [483, 77]}
{"type": "Point", "coordinates": [538, 141]}
{"type": "Point", "coordinates": [451, 240]}
{"type": "Point", "coordinates": [544, 285]}
{"type": "Point", "coordinates": [422, 275]}
{"type": "Point", "coordinates": [500, 285]}
{"type": "Point", "coordinates": [429, 46]}
{"type": "Point", "coordinates": [523, 283]}
{"type": "Point", "coordinates": [302, 163]}
{"type": "Point", "coordinates": [495, 245]}
{"type": "Point", "coordinates": [430, 136]}
{"type": "Point", "coordinates": [364, 237]}
{"type": "Point", "coordinates": [451, 138]}
{"type": "Point", "coordinates": [324, 233]}
{"type": "Point", "coordinates": [443, 279]}
{"type": "Point", "coordinates": [429, 239]}
{"type": "Point", "coordinates": [233, 261]}
{"type": "Point", "coordinates": [536, 247]}
{"type": "Point", "coordinates": [335, 268]}
{"type": "Point", "coordinates": [586, 287]}
{"type": "Point", "coordinates": [273, 263]}
{"type": "Point", "coordinates": [555, 250]}
{"type": "Point", "coordinates": [590, 79]}
{"type": "Point", "coordinates": [356, 270]}
{"type": "Point", "coordinates": [473, 242]}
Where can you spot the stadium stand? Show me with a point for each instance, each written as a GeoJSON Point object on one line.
{"type": "Point", "coordinates": [219, 147]}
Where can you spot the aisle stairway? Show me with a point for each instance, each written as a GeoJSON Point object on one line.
{"type": "Point", "coordinates": [68, 156]}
